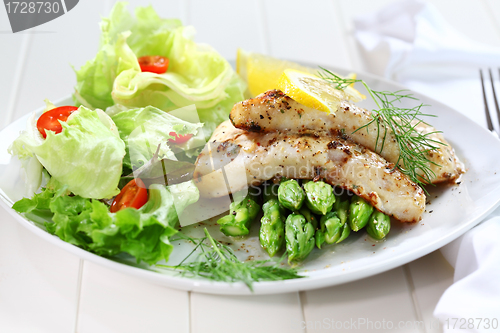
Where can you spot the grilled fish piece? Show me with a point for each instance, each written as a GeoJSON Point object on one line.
{"type": "Point", "coordinates": [274, 111]}
{"type": "Point", "coordinates": [235, 158]}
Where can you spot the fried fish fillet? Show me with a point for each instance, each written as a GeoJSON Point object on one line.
{"type": "Point", "coordinates": [274, 111]}
{"type": "Point", "coordinates": [235, 158]}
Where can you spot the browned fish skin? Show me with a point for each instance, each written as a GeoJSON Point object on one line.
{"type": "Point", "coordinates": [341, 162]}
{"type": "Point", "coordinates": [274, 110]}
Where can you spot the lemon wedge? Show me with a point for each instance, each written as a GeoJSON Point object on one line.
{"type": "Point", "coordinates": [315, 92]}
{"type": "Point", "coordinates": [262, 72]}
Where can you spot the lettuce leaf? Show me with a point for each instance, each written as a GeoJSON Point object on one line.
{"type": "Point", "coordinates": [86, 156]}
{"type": "Point", "coordinates": [143, 233]}
{"type": "Point", "coordinates": [143, 129]}
{"type": "Point", "coordinates": [95, 79]}
{"type": "Point", "coordinates": [197, 74]}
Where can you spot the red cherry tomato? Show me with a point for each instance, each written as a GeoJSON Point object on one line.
{"type": "Point", "coordinates": [133, 195]}
{"type": "Point", "coordinates": [49, 120]}
{"type": "Point", "coordinates": [153, 64]}
{"type": "Point", "coordinates": [179, 138]}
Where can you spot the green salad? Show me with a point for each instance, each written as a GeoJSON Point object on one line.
{"type": "Point", "coordinates": [113, 173]}
{"type": "Point", "coordinates": [77, 159]}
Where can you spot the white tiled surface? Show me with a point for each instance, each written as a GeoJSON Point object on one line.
{"type": "Point", "coordinates": [123, 304]}
{"type": "Point", "coordinates": [428, 277]}
{"type": "Point", "coordinates": [45, 289]}
{"type": "Point", "coordinates": [386, 296]}
{"type": "Point", "coordinates": [258, 313]}
{"type": "Point", "coordinates": [38, 282]}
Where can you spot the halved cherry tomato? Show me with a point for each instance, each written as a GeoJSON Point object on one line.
{"type": "Point", "coordinates": [133, 195]}
{"type": "Point", "coordinates": [154, 64]}
{"type": "Point", "coordinates": [49, 120]}
{"type": "Point", "coordinates": [179, 138]}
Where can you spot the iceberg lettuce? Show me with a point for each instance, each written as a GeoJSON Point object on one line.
{"type": "Point", "coordinates": [197, 74]}
{"type": "Point", "coordinates": [86, 156]}
{"type": "Point", "coordinates": [143, 129]}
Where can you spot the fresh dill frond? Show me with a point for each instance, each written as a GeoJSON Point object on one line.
{"type": "Point", "coordinates": [340, 82]}
{"type": "Point", "coordinates": [217, 262]}
{"type": "Point", "coordinates": [414, 146]}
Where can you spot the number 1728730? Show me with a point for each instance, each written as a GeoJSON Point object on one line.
{"type": "Point", "coordinates": [32, 7]}
{"type": "Point", "coordinates": [471, 323]}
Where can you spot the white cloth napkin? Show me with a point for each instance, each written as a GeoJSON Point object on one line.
{"type": "Point", "coordinates": [410, 42]}
{"type": "Point", "coordinates": [475, 292]}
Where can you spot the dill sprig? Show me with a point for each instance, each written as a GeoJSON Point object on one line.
{"type": "Point", "coordinates": [217, 262]}
{"type": "Point", "coordinates": [414, 146]}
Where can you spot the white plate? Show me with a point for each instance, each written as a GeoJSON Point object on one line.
{"type": "Point", "coordinates": [453, 210]}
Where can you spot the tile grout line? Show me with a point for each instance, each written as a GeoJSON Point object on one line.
{"type": "Point", "coordinates": [189, 312]}
{"type": "Point", "coordinates": [185, 17]}
{"type": "Point", "coordinates": [107, 6]}
{"type": "Point", "coordinates": [266, 48]}
{"type": "Point", "coordinates": [18, 74]}
{"type": "Point", "coordinates": [299, 296]}
{"type": "Point", "coordinates": [413, 295]}
{"type": "Point", "coordinates": [337, 8]}
{"type": "Point", "coordinates": [78, 293]}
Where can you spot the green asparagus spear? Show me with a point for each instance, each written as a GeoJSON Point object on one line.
{"type": "Point", "coordinates": [331, 227]}
{"type": "Point", "coordinates": [299, 237]}
{"type": "Point", "coordinates": [272, 227]}
{"type": "Point", "coordinates": [341, 206]}
{"type": "Point", "coordinates": [304, 211]}
{"type": "Point", "coordinates": [320, 238]}
{"type": "Point", "coordinates": [379, 225]}
{"type": "Point", "coordinates": [270, 191]}
{"type": "Point", "coordinates": [359, 213]}
{"type": "Point", "coordinates": [342, 233]}
{"type": "Point", "coordinates": [319, 197]}
{"type": "Point", "coordinates": [291, 195]}
{"type": "Point", "coordinates": [346, 231]}
{"type": "Point", "coordinates": [241, 215]}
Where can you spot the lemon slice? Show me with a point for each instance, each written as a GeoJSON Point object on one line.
{"type": "Point", "coordinates": [310, 90]}
{"type": "Point", "coordinates": [262, 72]}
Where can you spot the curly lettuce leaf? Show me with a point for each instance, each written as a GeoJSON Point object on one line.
{"type": "Point", "coordinates": [86, 156]}
{"type": "Point", "coordinates": [143, 233]}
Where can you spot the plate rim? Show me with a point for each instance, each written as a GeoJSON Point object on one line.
{"type": "Point", "coordinates": [271, 287]}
